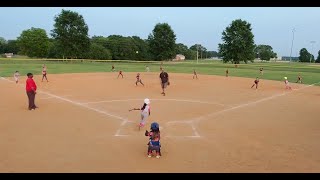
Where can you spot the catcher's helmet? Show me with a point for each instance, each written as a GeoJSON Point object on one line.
{"type": "Point", "coordinates": [154, 126]}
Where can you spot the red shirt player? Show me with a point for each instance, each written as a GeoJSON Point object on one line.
{"type": "Point", "coordinates": [138, 80]}
{"type": "Point", "coordinates": [120, 73]}
{"type": "Point", "coordinates": [256, 82]}
{"type": "Point", "coordinates": [31, 89]}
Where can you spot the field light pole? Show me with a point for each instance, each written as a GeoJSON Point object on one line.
{"type": "Point", "coordinates": [197, 53]}
{"type": "Point", "coordinates": [312, 42]}
{"type": "Point", "coordinates": [293, 30]}
{"type": "Point", "coordinates": [197, 57]}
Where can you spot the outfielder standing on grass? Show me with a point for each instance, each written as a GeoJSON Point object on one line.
{"type": "Point", "coordinates": [256, 82]}
{"type": "Point", "coordinates": [299, 79]}
{"type": "Point", "coordinates": [31, 89]}
{"type": "Point", "coordinates": [138, 80]}
{"type": "Point", "coordinates": [16, 76]}
{"type": "Point", "coordinates": [164, 77]}
{"type": "Point", "coordinates": [261, 71]}
{"type": "Point", "coordinates": [112, 68]}
{"type": "Point", "coordinates": [145, 112]}
{"type": "Point", "coordinates": [227, 73]}
{"type": "Point", "coordinates": [44, 73]}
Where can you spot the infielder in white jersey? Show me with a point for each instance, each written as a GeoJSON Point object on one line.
{"type": "Point", "coordinates": [145, 112]}
{"type": "Point", "coordinates": [16, 76]}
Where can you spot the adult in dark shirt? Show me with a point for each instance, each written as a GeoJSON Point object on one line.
{"type": "Point", "coordinates": [164, 77]}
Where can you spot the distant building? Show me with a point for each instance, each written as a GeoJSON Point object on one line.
{"type": "Point", "coordinates": [287, 58]}
{"type": "Point", "coordinates": [276, 59]}
{"type": "Point", "coordinates": [179, 57]}
{"type": "Point", "coordinates": [8, 55]}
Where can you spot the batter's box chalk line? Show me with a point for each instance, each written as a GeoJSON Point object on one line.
{"type": "Point", "coordinates": [195, 132]}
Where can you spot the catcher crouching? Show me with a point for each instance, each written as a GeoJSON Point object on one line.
{"type": "Point", "coordinates": [154, 140]}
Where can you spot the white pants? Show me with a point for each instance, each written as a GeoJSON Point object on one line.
{"type": "Point", "coordinates": [144, 117]}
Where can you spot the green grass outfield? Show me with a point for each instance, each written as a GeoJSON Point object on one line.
{"type": "Point", "coordinates": [272, 70]}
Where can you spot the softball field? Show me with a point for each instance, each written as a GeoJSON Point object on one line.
{"type": "Point", "coordinates": [213, 124]}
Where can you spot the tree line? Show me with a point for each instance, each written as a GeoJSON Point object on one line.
{"type": "Point", "coordinates": [70, 40]}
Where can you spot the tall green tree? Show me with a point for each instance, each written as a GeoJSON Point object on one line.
{"type": "Point", "coordinates": [3, 43]}
{"type": "Point", "coordinates": [122, 48]}
{"type": "Point", "coordinates": [305, 56]}
{"type": "Point", "coordinates": [318, 58]}
{"type": "Point", "coordinates": [238, 42]}
{"type": "Point", "coordinates": [162, 42]}
{"type": "Point", "coordinates": [184, 50]}
{"type": "Point", "coordinates": [34, 42]}
{"type": "Point", "coordinates": [97, 51]}
{"type": "Point", "coordinates": [99, 40]}
{"type": "Point", "coordinates": [71, 33]}
{"type": "Point", "coordinates": [202, 51]}
{"type": "Point", "coordinates": [264, 52]}
{"type": "Point", "coordinates": [212, 54]}
{"type": "Point", "coordinates": [143, 52]}
{"type": "Point", "coordinates": [12, 47]}
{"type": "Point", "coordinates": [54, 49]}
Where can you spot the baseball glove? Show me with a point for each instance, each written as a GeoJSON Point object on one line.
{"type": "Point", "coordinates": [146, 133]}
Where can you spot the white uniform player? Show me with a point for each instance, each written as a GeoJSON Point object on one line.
{"type": "Point", "coordinates": [16, 76]}
{"type": "Point", "coordinates": [145, 113]}
{"type": "Point", "coordinates": [286, 82]}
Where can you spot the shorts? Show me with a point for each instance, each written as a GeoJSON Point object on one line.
{"type": "Point", "coordinates": [16, 79]}
{"type": "Point", "coordinates": [154, 148]}
{"type": "Point", "coordinates": [164, 85]}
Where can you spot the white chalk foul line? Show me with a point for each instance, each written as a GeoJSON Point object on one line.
{"type": "Point", "coordinates": [182, 137]}
{"type": "Point", "coordinates": [85, 106]}
{"type": "Point", "coordinates": [178, 100]}
{"type": "Point", "coordinates": [53, 97]}
{"type": "Point", "coordinates": [180, 122]}
{"type": "Point", "coordinates": [121, 135]}
{"type": "Point", "coordinates": [196, 120]}
{"type": "Point", "coordinates": [119, 129]}
{"type": "Point", "coordinates": [195, 132]}
{"type": "Point", "coordinates": [248, 104]}
{"type": "Point", "coordinates": [77, 103]}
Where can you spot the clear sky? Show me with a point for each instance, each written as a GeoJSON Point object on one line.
{"type": "Point", "coordinates": [272, 26]}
